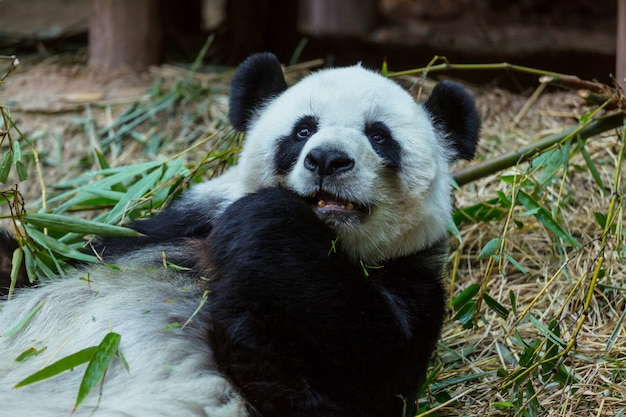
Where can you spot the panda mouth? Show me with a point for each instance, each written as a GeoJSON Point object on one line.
{"type": "Point", "coordinates": [325, 201]}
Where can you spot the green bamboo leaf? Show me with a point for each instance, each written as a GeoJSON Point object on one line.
{"type": "Point", "coordinates": [28, 353]}
{"type": "Point", "coordinates": [466, 314]}
{"type": "Point", "coordinates": [29, 263]}
{"type": "Point", "coordinates": [135, 192]}
{"type": "Point", "coordinates": [498, 308]}
{"type": "Point", "coordinates": [24, 321]}
{"type": "Point", "coordinates": [553, 333]}
{"type": "Point", "coordinates": [77, 225]}
{"type": "Point", "coordinates": [600, 219]}
{"type": "Point", "coordinates": [503, 405]}
{"type": "Point", "coordinates": [482, 212]}
{"type": "Point", "coordinates": [550, 163]}
{"type": "Point", "coordinates": [454, 231]}
{"type": "Point", "coordinates": [5, 168]}
{"type": "Point", "coordinates": [16, 263]}
{"type": "Point", "coordinates": [22, 172]}
{"type": "Point", "coordinates": [550, 358]}
{"type": "Point", "coordinates": [590, 164]}
{"type": "Point", "coordinates": [451, 382]}
{"type": "Point", "coordinates": [17, 151]}
{"type": "Point", "coordinates": [529, 354]}
{"type": "Point", "coordinates": [98, 365]}
{"type": "Point", "coordinates": [513, 301]}
{"type": "Point", "coordinates": [491, 248]}
{"type": "Point", "coordinates": [62, 365]}
{"type": "Point", "coordinates": [465, 296]}
{"type": "Point", "coordinates": [545, 218]}
{"type": "Point", "coordinates": [101, 160]}
{"type": "Point", "coordinates": [516, 264]}
{"type": "Point", "coordinates": [616, 332]}
{"type": "Point", "coordinates": [53, 244]}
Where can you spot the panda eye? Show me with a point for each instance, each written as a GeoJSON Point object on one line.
{"type": "Point", "coordinates": [303, 132]}
{"type": "Point", "coordinates": [377, 137]}
{"type": "Point", "coordinates": [305, 128]}
{"type": "Point", "coordinates": [378, 133]}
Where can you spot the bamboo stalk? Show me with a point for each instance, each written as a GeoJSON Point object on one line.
{"type": "Point", "coordinates": [448, 66]}
{"type": "Point", "coordinates": [500, 163]}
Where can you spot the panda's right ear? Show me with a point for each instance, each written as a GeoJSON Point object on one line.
{"type": "Point", "coordinates": [257, 80]}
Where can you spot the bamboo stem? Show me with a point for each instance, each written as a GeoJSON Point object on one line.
{"type": "Point", "coordinates": [497, 164]}
{"type": "Point", "coordinates": [448, 66]}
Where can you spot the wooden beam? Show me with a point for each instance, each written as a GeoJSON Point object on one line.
{"type": "Point", "coordinates": [125, 33]}
{"type": "Point", "coordinates": [339, 18]}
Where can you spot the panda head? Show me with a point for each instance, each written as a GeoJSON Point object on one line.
{"type": "Point", "coordinates": [353, 144]}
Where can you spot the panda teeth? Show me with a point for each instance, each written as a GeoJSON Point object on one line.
{"type": "Point", "coordinates": [346, 206]}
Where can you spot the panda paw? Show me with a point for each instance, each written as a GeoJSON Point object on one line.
{"type": "Point", "coordinates": [271, 224]}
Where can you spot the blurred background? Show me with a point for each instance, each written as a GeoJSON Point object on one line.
{"type": "Point", "coordinates": [567, 36]}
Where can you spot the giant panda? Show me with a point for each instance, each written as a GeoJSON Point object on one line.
{"type": "Point", "coordinates": [320, 256]}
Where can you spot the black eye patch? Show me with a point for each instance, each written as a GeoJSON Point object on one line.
{"type": "Point", "coordinates": [290, 146]}
{"type": "Point", "coordinates": [384, 144]}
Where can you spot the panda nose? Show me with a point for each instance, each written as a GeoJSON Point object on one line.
{"type": "Point", "coordinates": [327, 162]}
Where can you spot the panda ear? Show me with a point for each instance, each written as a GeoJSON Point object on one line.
{"type": "Point", "coordinates": [455, 114]}
{"type": "Point", "coordinates": [258, 79]}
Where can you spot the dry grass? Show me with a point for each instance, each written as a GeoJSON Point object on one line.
{"type": "Point", "coordinates": [490, 368]}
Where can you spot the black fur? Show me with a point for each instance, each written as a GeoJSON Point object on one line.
{"type": "Point", "coordinates": [454, 112]}
{"type": "Point", "coordinates": [384, 144]}
{"type": "Point", "coordinates": [301, 330]}
{"type": "Point", "coordinates": [258, 79]}
{"type": "Point", "coordinates": [289, 147]}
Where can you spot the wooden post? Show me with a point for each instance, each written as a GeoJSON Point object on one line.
{"type": "Point", "coordinates": [620, 67]}
{"type": "Point", "coordinates": [125, 33]}
{"type": "Point", "coordinates": [339, 17]}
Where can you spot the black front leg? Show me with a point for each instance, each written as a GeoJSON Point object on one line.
{"type": "Point", "coordinates": [269, 254]}
{"type": "Point", "coordinates": [299, 328]}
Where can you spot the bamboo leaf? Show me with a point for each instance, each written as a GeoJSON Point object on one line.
{"type": "Point", "coordinates": [545, 218]}
{"type": "Point", "coordinates": [24, 321]}
{"type": "Point", "coordinates": [5, 169]}
{"type": "Point", "coordinates": [16, 263]}
{"type": "Point", "coordinates": [98, 365]}
{"type": "Point", "coordinates": [465, 296]}
{"type": "Point", "coordinates": [28, 353]}
{"type": "Point", "coordinates": [491, 248]}
{"type": "Point", "coordinates": [62, 365]}
{"type": "Point", "coordinates": [22, 172]}
{"type": "Point", "coordinates": [77, 225]}
{"type": "Point", "coordinates": [101, 160]}
{"type": "Point", "coordinates": [53, 244]}
{"type": "Point", "coordinates": [498, 308]}
{"type": "Point", "coordinates": [516, 264]}
{"type": "Point", "coordinates": [616, 332]}
{"type": "Point", "coordinates": [135, 192]}
{"type": "Point", "coordinates": [592, 167]}
{"type": "Point", "coordinates": [17, 151]}
{"type": "Point", "coordinates": [600, 219]}
{"type": "Point", "coordinates": [466, 314]}
{"type": "Point", "coordinates": [513, 300]}
{"type": "Point", "coordinates": [482, 212]}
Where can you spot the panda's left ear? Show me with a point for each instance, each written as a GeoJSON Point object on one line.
{"type": "Point", "coordinates": [455, 114]}
{"type": "Point", "coordinates": [257, 80]}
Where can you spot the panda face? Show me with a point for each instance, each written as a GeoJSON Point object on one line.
{"type": "Point", "coordinates": [370, 161]}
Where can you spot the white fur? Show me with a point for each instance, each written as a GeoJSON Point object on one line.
{"type": "Point", "coordinates": [171, 369]}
